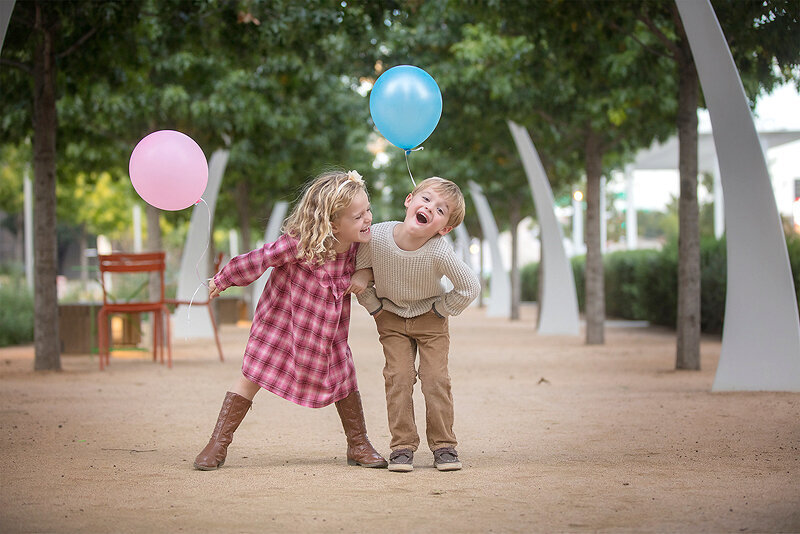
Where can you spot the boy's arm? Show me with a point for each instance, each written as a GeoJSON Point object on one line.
{"type": "Point", "coordinates": [466, 286]}
{"type": "Point", "coordinates": [367, 298]}
{"type": "Point", "coordinates": [364, 256]}
{"type": "Point", "coordinates": [247, 268]}
{"type": "Point", "coordinates": [359, 281]}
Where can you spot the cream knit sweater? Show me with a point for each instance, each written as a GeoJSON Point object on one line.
{"type": "Point", "coordinates": [408, 283]}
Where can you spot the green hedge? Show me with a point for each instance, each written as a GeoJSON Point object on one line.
{"type": "Point", "coordinates": [16, 314]}
{"type": "Point", "coordinates": [643, 284]}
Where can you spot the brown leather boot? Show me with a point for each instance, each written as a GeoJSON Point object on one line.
{"type": "Point", "coordinates": [359, 450]}
{"type": "Point", "coordinates": [234, 408]}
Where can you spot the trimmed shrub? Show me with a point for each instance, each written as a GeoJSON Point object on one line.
{"type": "Point", "coordinates": [713, 285]}
{"type": "Point", "coordinates": [643, 284]}
{"type": "Point", "coordinates": [16, 314]}
{"type": "Point", "coordinates": [529, 282]}
{"type": "Point", "coordinates": [625, 287]}
{"type": "Point", "coordinates": [579, 270]}
{"type": "Point", "coordinates": [660, 287]}
{"type": "Point", "coordinates": [793, 246]}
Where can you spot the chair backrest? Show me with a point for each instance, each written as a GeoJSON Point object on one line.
{"type": "Point", "coordinates": [123, 262]}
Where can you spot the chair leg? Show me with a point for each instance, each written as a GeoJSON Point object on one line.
{"type": "Point", "coordinates": [154, 328]}
{"type": "Point", "coordinates": [102, 324]}
{"type": "Point", "coordinates": [158, 348]}
{"type": "Point", "coordinates": [216, 333]}
{"type": "Point", "coordinates": [168, 338]}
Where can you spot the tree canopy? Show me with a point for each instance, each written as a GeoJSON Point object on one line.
{"type": "Point", "coordinates": [284, 87]}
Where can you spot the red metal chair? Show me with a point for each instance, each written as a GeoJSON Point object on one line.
{"type": "Point", "coordinates": [147, 262]}
{"type": "Point", "coordinates": [207, 304]}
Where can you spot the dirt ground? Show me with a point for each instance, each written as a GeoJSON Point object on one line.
{"type": "Point", "coordinates": [555, 436]}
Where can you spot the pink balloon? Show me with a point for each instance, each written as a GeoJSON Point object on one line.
{"type": "Point", "coordinates": [169, 170]}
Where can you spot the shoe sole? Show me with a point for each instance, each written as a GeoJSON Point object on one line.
{"type": "Point", "coordinates": [401, 468]}
{"type": "Point", "coordinates": [208, 468]}
{"type": "Point", "coordinates": [450, 466]}
{"type": "Point", "coordinates": [375, 465]}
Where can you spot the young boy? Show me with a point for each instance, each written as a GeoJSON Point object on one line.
{"type": "Point", "coordinates": [411, 310]}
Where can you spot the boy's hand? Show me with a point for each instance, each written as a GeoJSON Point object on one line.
{"type": "Point", "coordinates": [213, 290]}
{"type": "Point", "coordinates": [359, 281]}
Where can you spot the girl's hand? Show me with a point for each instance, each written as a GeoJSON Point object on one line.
{"type": "Point", "coordinates": [359, 281]}
{"type": "Point", "coordinates": [213, 290]}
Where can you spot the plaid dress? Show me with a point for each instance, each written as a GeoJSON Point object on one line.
{"type": "Point", "coordinates": [298, 342]}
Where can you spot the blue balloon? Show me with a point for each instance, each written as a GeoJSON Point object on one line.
{"type": "Point", "coordinates": [405, 105]}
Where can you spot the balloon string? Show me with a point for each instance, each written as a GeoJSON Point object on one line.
{"type": "Point", "coordinates": [197, 271]}
{"type": "Point", "coordinates": [407, 152]}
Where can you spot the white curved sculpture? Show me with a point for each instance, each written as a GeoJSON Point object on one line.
{"type": "Point", "coordinates": [6, 8]}
{"type": "Point", "coordinates": [193, 321]}
{"type": "Point", "coordinates": [761, 336]}
{"type": "Point", "coordinates": [462, 244]}
{"type": "Point", "coordinates": [500, 282]}
{"type": "Point", "coordinates": [558, 306]}
{"type": "Point", "coordinates": [272, 233]}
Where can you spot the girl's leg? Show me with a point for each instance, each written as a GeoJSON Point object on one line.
{"type": "Point", "coordinates": [359, 450]}
{"type": "Point", "coordinates": [233, 410]}
{"type": "Point", "coordinates": [245, 388]}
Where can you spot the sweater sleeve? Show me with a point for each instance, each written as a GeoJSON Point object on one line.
{"type": "Point", "coordinates": [247, 268]}
{"type": "Point", "coordinates": [364, 256]}
{"type": "Point", "coordinates": [466, 285]}
{"type": "Point", "coordinates": [369, 299]}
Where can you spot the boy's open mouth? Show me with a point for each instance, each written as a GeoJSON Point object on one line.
{"type": "Point", "coordinates": [422, 218]}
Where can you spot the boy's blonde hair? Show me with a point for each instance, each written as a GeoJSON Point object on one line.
{"type": "Point", "coordinates": [322, 201]}
{"type": "Point", "coordinates": [451, 193]}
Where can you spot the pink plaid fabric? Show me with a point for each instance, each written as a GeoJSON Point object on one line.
{"type": "Point", "coordinates": [298, 342]}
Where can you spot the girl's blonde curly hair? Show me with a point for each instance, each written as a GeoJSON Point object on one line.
{"type": "Point", "coordinates": [322, 201]}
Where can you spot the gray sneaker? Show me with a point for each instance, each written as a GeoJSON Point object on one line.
{"type": "Point", "coordinates": [446, 459]}
{"type": "Point", "coordinates": [401, 460]}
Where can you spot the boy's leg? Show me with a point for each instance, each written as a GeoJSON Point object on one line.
{"type": "Point", "coordinates": [400, 376]}
{"type": "Point", "coordinates": [433, 339]}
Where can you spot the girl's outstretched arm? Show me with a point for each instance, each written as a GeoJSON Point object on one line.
{"type": "Point", "coordinates": [247, 268]}
{"type": "Point", "coordinates": [213, 290]}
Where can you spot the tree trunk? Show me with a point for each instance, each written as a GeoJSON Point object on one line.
{"type": "Point", "coordinates": [688, 315]}
{"type": "Point", "coordinates": [46, 340]}
{"type": "Point", "coordinates": [595, 293]}
{"type": "Point", "coordinates": [516, 290]}
{"type": "Point", "coordinates": [242, 195]}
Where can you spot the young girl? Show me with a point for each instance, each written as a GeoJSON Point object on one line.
{"type": "Point", "coordinates": [298, 342]}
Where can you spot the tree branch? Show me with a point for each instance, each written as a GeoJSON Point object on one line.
{"type": "Point", "coordinates": [549, 119]}
{"type": "Point", "coordinates": [24, 67]}
{"type": "Point", "coordinates": [77, 44]}
{"type": "Point", "coordinates": [666, 41]}
{"type": "Point", "coordinates": [614, 143]}
{"type": "Point", "coordinates": [645, 46]}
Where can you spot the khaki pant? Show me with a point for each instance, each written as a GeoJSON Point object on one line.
{"type": "Point", "coordinates": [401, 338]}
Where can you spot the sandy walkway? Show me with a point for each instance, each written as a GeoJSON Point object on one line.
{"type": "Point", "coordinates": [555, 436]}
